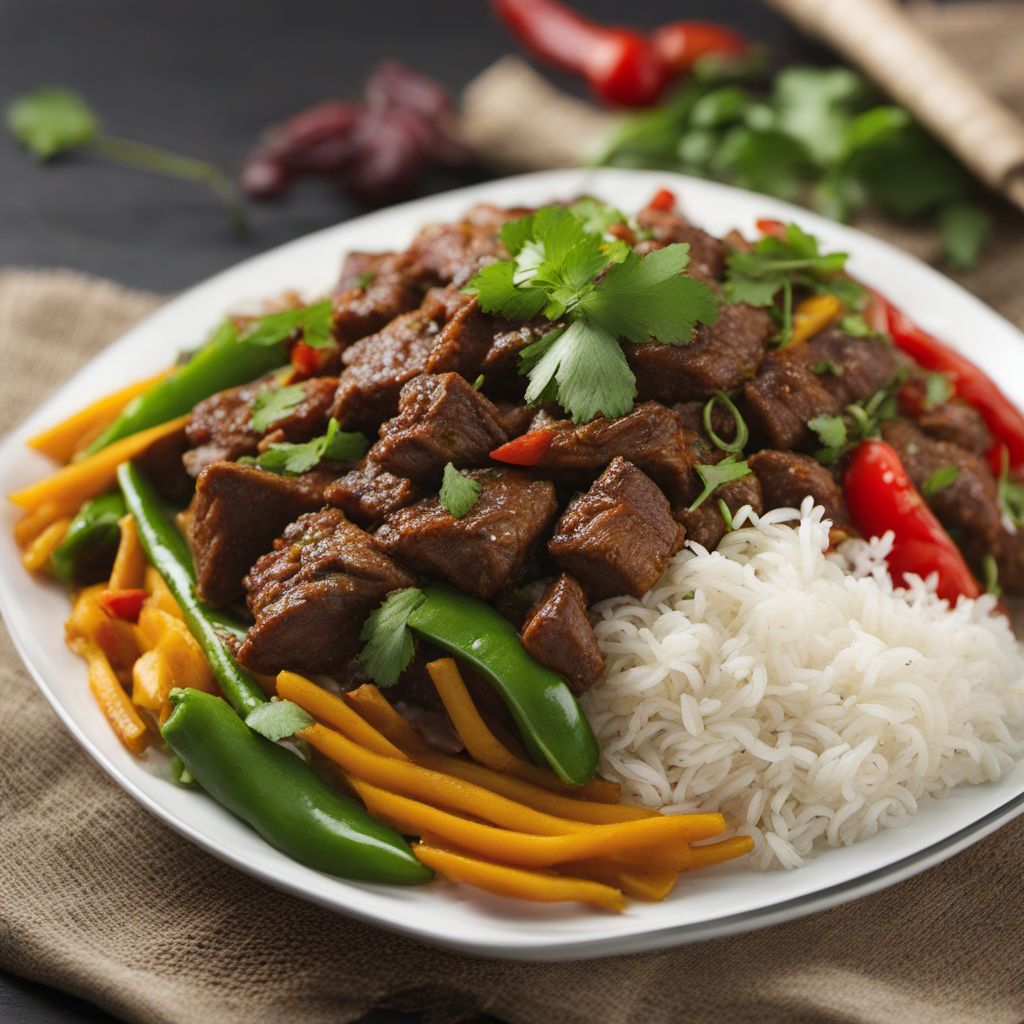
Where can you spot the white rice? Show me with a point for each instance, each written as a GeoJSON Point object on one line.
{"type": "Point", "coordinates": [799, 693]}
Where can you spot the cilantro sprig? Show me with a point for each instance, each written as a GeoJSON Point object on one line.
{"type": "Point", "coordinates": [1011, 493]}
{"type": "Point", "coordinates": [278, 719]}
{"type": "Point", "coordinates": [314, 321]}
{"type": "Point", "coordinates": [860, 421]}
{"type": "Point", "coordinates": [597, 292]}
{"type": "Point", "coordinates": [387, 639]}
{"type": "Point", "coordinates": [275, 404]}
{"type": "Point", "coordinates": [459, 493]}
{"type": "Point", "coordinates": [717, 474]}
{"type": "Point", "coordinates": [940, 480]}
{"type": "Point", "coordinates": [289, 459]}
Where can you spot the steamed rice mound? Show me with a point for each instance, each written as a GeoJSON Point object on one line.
{"type": "Point", "coordinates": [800, 693]}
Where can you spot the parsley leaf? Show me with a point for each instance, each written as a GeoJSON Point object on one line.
{"type": "Point", "coordinates": [294, 459]}
{"type": "Point", "coordinates": [459, 493]}
{"type": "Point", "coordinates": [832, 433]}
{"type": "Point", "coordinates": [387, 638]}
{"type": "Point", "coordinates": [48, 122]}
{"type": "Point", "coordinates": [314, 322]}
{"type": "Point", "coordinates": [278, 719]}
{"type": "Point", "coordinates": [715, 475]}
{"type": "Point", "coordinates": [270, 406]}
{"type": "Point", "coordinates": [940, 479]}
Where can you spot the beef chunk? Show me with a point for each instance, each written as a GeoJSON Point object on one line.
{"type": "Point", "coordinates": [486, 551]}
{"type": "Point", "coordinates": [863, 365]}
{"type": "Point", "coordinates": [235, 516]}
{"type": "Point", "coordinates": [441, 419]}
{"type": "Point", "coordinates": [558, 633]}
{"type": "Point", "coordinates": [706, 525]}
{"type": "Point", "coordinates": [311, 594]}
{"type": "Point", "coordinates": [455, 252]}
{"type": "Point", "coordinates": [1009, 554]}
{"type": "Point", "coordinates": [722, 421]}
{"type": "Point", "coordinates": [652, 437]}
{"type": "Point", "coordinates": [617, 538]}
{"type": "Point", "coordinates": [219, 428]}
{"type": "Point", "coordinates": [163, 463]}
{"type": "Point", "coordinates": [785, 395]}
{"type": "Point", "coordinates": [515, 417]}
{"type": "Point", "coordinates": [368, 493]}
{"type": "Point", "coordinates": [501, 363]}
{"type": "Point", "coordinates": [707, 253]}
{"type": "Point", "coordinates": [787, 478]}
{"type": "Point", "coordinates": [958, 423]}
{"type": "Point", "coordinates": [719, 358]}
{"type": "Point", "coordinates": [447, 333]}
{"type": "Point", "coordinates": [374, 290]}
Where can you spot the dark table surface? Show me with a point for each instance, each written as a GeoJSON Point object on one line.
{"type": "Point", "coordinates": [204, 78]}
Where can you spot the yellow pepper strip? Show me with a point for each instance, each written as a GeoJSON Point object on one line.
{"type": "Point", "coordinates": [160, 596]}
{"type": "Point", "coordinates": [812, 316]}
{"type": "Point", "coordinates": [329, 708]}
{"type": "Point", "coordinates": [524, 850]}
{"type": "Point", "coordinates": [152, 681]}
{"type": "Point", "coordinates": [89, 622]}
{"type": "Point", "coordinates": [62, 440]}
{"type": "Point", "coordinates": [649, 884]}
{"type": "Point", "coordinates": [374, 707]}
{"type": "Point", "coordinates": [483, 746]}
{"type": "Point", "coordinates": [157, 630]}
{"type": "Point", "coordinates": [30, 525]}
{"type": "Point", "coordinates": [80, 481]}
{"type": "Point", "coordinates": [537, 886]}
{"type": "Point", "coordinates": [718, 853]}
{"type": "Point", "coordinates": [129, 571]}
{"type": "Point", "coordinates": [113, 701]}
{"type": "Point", "coordinates": [37, 555]}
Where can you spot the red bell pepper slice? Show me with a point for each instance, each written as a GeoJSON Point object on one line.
{"type": "Point", "coordinates": [881, 497]}
{"type": "Point", "coordinates": [1003, 419]}
{"type": "Point", "coordinates": [123, 604]}
{"type": "Point", "coordinates": [663, 200]}
{"type": "Point", "coordinates": [305, 360]}
{"type": "Point", "coordinates": [682, 43]}
{"type": "Point", "coordinates": [525, 450]}
{"type": "Point", "coordinates": [770, 226]}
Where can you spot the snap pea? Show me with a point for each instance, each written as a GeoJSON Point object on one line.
{"type": "Point", "coordinates": [286, 802]}
{"type": "Point", "coordinates": [224, 362]}
{"type": "Point", "coordinates": [168, 553]}
{"type": "Point", "coordinates": [87, 551]}
{"type": "Point", "coordinates": [541, 703]}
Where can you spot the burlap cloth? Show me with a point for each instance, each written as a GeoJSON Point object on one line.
{"type": "Point", "coordinates": [100, 899]}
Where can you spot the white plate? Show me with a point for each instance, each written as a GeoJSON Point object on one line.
{"type": "Point", "coordinates": [718, 902]}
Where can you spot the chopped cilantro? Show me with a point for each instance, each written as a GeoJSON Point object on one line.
{"type": "Point", "coordinates": [938, 389]}
{"type": "Point", "coordinates": [832, 434]}
{"type": "Point", "coordinates": [827, 366]}
{"type": "Point", "coordinates": [717, 474]}
{"type": "Point", "coordinates": [293, 459]}
{"type": "Point", "coordinates": [855, 324]}
{"type": "Point", "coordinates": [278, 719]}
{"type": "Point", "coordinates": [274, 404]}
{"type": "Point", "coordinates": [940, 479]}
{"type": "Point", "coordinates": [388, 641]}
{"type": "Point", "coordinates": [314, 322]}
{"type": "Point", "coordinates": [459, 493]}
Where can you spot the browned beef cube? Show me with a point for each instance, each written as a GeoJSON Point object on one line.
{"type": "Point", "coordinates": [719, 358]}
{"type": "Point", "coordinates": [501, 363]}
{"type": "Point", "coordinates": [374, 290]}
{"type": "Point", "coordinates": [788, 477]}
{"type": "Point", "coordinates": [441, 419]}
{"type": "Point", "coordinates": [723, 423]}
{"type": "Point", "coordinates": [368, 493]}
{"type": "Point", "coordinates": [219, 428]}
{"type": "Point", "coordinates": [706, 525]}
{"type": "Point", "coordinates": [958, 423]}
{"type": "Point", "coordinates": [164, 463]}
{"type": "Point", "coordinates": [785, 395]}
{"type": "Point", "coordinates": [311, 594]}
{"type": "Point", "coordinates": [558, 633]}
{"type": "Point", "coordinates": [1009, 554]}
{"type": "Point", "coordinates": [861, 366]}
{"type": "Point", "coordinates": [455, 252]}
{"type": "Point", "coordinates": [486, 551]}
{"type": "Point", "coordinates": [707, 253]}
{"type": "Point", "coordinates": [234, 518]}
{"type": "Point", "coordinates": [515, 417]}
{"type": "Point", "coordinates": [617, 538]}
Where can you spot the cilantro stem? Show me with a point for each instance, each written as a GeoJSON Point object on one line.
{"type": "Point", "coordinates": [162, 161]}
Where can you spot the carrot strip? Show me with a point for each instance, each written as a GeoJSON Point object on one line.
{"type": "Point", "coordinates": [524, 850]}
{"type": "Point", "coordinates": [483, 746]}
{"type": "Point", "coordinates": [812, 316]}
{"type": "Point", "coordinates": [89, 622]}
{"type": "Point", "coordinates": [718, 853]}
{"type": "Point", "coordinates": [152, 681]}
{"type": "Point", "coordinates": [322, 704]}
{"type": "Point", "coordinates": [37, 555]}
{"type": "Point", "coordinates": [157, 630]}
{"type": "Point", "coordinates": [80, 481]}
{"type": "Point", "coordinates": [30, 525]}
{"type": "Point", "coordinates": [113, 701]}
{"type": "Point", "coordinates": [160, 596]}
{"type": "Point", "coordinates": [63, 439]}
{"type": "Point", "coordinates": [129, 571]}
{"type": "Point", "coordinates": [651, 885]}
{"type": "Point", "coordinates": [536, 886]}
{"type": "Point", "coordinates": [376, 709]}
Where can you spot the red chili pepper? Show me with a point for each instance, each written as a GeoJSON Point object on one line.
{"type": "Point", "coordinates": [881, 497]}
{"type": "Point", "coordinates": [663, 200]}
{"type": "Point", "coordinates": [1003, 419]}
{"type": "Point", "coordinates": [769, 226]}
{"type": "Point", "coordinates": [623, 67]}
{"type": "Point", "coordinates": [682, 43]}
{"type": "Point", "coordinates": [526, 450]}
{"type": "Point", "coordinates": [305, 359]}
{"type": "Point", "coordinates": [123, 604]}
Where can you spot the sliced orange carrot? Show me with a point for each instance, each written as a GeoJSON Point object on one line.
{"type": "Point", "coordinates": [36, 556]}
{"type": "Point", "coordinates": [30, 525]}
{"type": "Point", "coordinates": [718, 853]}
{"type": "Point", "coordinates": [152, 681]}
{"type": "Point", "coordinates": [160, 596]}
{"type": "Point", "coordinates": [112, 699]}
{"type": "Point", "coordinates": [129, 571]}
{"type": "Point", "coordinates": [376, 709]}
{"type": "Point", "coordinates": [813, 315]}
{"type": "Point", "coordinates": [645, 883]}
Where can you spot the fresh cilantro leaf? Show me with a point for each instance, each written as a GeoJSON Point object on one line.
{"type": "Point", "coordinates": [940, 479]}
{"type": "Point", "coordinates": [813, 105]}
{"type": "Point", "coordinates": [48, 122]}
{"type": "Point", "coordinates": [459, 493]}
{"type": "Point", "coordinates": [938, 389]}
{"type": "Point", "coordinates": [827, 366]}
{"type": "Point", "coordinates": [294, 459]}
{"type": "Point", "coordinates": [365, 279]}
{"type": "Point", "coordinates": [387, 638]}
{"type": "Point", "coordinates": [855, 324]}
{"type": "Point", "coordinates": [715, 475]}
{"type": "Point", "coordinates": [832, 434]}
{"type": "Point", "coordinates": [647, 297]}
{"type": "Point", "coordinates": [990, 572]}
{"type": "Point", "coordinates": [516, 233]}
{"type": "Point", "coordinates": [966, 230]}
{"type": "Point", "coordinates": [273, 405]}
{"type": "Point", "coordinates": [719, 107]}
{"type": "Point", "coordinates": [1011, 493]}
{"type": "Point", "coordinates": [497, 292]}
{"type": "Point", "coordinates": [314, 322]}
{"type": "Point", "coordinates": [278, 719]}
{"type": "Point", "coordinates": [597, 217]}
{"type": "Point", "coordinates": [763, 160]}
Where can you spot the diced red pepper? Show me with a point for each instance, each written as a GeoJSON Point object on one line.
{"type": "Point", "coordinates": [682, 43]}
{"type": "Point", "coordinates": [123, 604]}
{"type": "Point", "coordinates": [305, 360]}
{"type": "Point", "coordinates": [663, 199]}
{"type": "Point", "coordinates": [526, 450]}
{"type": "Point", "coordinates": [1003, 419]}
{"type": "Point", "coordinates": [881, 497]}
{"type": "Point", "coordinates": [770, 226]}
